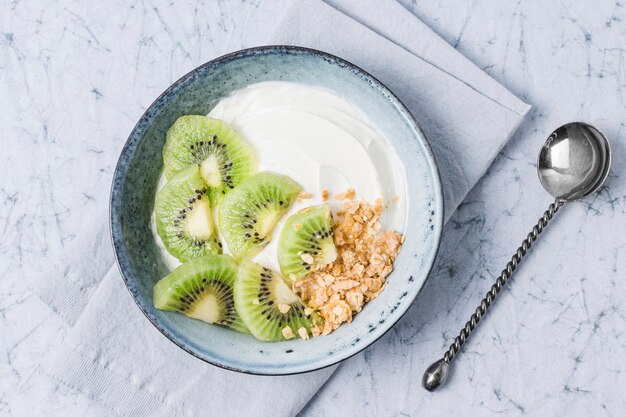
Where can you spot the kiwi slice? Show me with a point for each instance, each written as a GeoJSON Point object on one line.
{"type": "Point", "coordinates": [248, 214]}
{"type": "Point", "coordinates": [305, 242]}
{"type": "Point", "coordinates": [267, 305]}
{"type": "Point", "coordinates": [184, 218]}
{"type": "Point", "coordinates": [224, 157]}
{"type": "Point", "coordinates": [202, 288]}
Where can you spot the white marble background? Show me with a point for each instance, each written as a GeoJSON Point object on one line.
{"type": "Point", "coordinates": [75, 76]}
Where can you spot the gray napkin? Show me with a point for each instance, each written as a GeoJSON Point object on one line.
{"type": "Point", "coordinates": [115, 356]}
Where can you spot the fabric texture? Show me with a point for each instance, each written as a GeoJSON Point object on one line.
{"type": "Point", "coordinates": [116, 357]}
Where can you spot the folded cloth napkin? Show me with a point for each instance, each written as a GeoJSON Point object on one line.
{"type": "Point", "coordinates": [117, 358]}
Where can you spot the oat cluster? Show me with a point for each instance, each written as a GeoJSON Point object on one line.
{"type": "Point", "coordinates": [365, 258]}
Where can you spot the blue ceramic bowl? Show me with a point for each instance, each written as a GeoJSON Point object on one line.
{"type": "Point", "coordinates": [140, 164]}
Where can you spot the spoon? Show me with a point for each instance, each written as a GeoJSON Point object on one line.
{"type": "Point", "coordinates": [573, 163]}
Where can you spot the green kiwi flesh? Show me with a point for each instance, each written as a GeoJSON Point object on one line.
{"type": "Point", "coordinates": [184, 218]}
{"type": "Point", "coordinates": [248, 214]}
{"type": "Point", "coordinates": [306, 242]}
{"type": "Point", "coordinates": [202, 288]}
{"type": "Point", "coordinates": [258, 294]}
{"type": "Point", "coordinates": [224, 157]}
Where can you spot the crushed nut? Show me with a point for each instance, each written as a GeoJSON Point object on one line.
{"type": "Point", "coordinates": [325, 195]}
{"type": "Point", "coordinates": [307, 258]}
{"type": "Point", "coordinates": [304, 334]}
{"type": "Point", "coordinates": [297, 226]}
{"type": "Point", "coordinates": [287, 333]}
{"type": "Point", "coordinates": [283, 308]}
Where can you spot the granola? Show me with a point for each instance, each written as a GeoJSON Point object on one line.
{"type": "Point", "coordinates": [346, 195]}
{"type": "Point", "coordinates": [365, 258]}
{"type": "Point", "coordinates": [304, 196]}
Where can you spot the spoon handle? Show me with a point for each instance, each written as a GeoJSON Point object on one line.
{"type": "Point", "coordinates": [437, 373]}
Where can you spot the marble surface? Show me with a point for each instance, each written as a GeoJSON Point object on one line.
{"type": "Point", "coordinates": [74, 77]}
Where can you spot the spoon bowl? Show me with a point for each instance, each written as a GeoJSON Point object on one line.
{"type": "Point", "coordinates": [574, 161]}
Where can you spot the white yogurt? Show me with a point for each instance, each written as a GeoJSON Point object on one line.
{"type": "Point", "coordinates": [321, 141]}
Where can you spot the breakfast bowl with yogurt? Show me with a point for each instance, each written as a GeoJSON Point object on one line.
{"type": "Point", "coordinates": [275, 211]}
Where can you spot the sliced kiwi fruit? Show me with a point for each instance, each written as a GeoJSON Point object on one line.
{"type": "Point", "coordinates": [267, 305]}
{"type": "Point", "coordinates": [202, 288]}
{"type": "Point", "coordinates": [224, 157]}
{"type": "Point", "coordinates": [248, 214]}
{"type": "Point", "coordinates": [306, 242]}
{"type": "Point", "coordinates": [184, 218]}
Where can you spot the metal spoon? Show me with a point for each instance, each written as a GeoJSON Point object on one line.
{"type": "Point", "coordinates": [573, 163]}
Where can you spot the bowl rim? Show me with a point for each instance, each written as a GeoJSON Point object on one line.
{"type": "Point", "coordinates": [131, 141]}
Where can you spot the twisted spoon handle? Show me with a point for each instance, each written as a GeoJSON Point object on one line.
{"type": "Point", "coordinates": [437, 373]}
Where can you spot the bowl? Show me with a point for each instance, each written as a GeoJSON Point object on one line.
{"type": "Point", "coordinates": [139, 166]}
